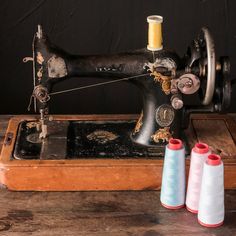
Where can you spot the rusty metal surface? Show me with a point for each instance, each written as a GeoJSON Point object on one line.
{"type": "Point", "coordinates": [56, 67]}
{"type": "Point", "coordinates": [30, 146]}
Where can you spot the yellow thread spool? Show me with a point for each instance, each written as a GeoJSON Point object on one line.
{"type": "Point", "coordinates": [154, 32]}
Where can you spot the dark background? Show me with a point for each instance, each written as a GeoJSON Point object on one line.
{"type": "Point", "coordinates": [98, 27]}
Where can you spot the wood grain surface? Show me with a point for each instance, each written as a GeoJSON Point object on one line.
{"type": "Point", "coordinates": [218, 131]}
{"type": "Point", "coordinates": [216, 134]}
{"type": "Point", "coordinates": [101, 213]}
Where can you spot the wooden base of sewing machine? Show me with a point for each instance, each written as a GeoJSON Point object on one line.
{"type": "Point", "coordinates": [110, 173]}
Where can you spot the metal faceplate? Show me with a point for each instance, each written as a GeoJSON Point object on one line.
{"type": "Point", "coordinates": [56, 67]}
{"type": "Point", "coordinates": [165, 115]}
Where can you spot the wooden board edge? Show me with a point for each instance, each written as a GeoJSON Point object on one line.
{"type": "Point", "coordinates": [92, 178]}
{"type": "Point", "coordinates": [11, 170]}
{"type": "Point", "coordinates": [81, 178]}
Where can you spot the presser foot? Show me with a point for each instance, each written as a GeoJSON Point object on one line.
{"type": "Point", "coordinates": [43, 126]}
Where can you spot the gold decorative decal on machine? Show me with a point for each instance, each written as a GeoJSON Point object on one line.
{"type": "Point", "coordinates": [138, 124]}
{"type": "Point", "coordinates": [157, 66]}
{"type": "Point", "coordinates": [40, 73]}
{"type": "Point", "coordinates": [40, 59]}
{"type": "Point", "coordinates": [101, 136]}
{"type": "Point", "coordinates": [162, 134]}
{"type": "Point", "coordinates": [165, 81]}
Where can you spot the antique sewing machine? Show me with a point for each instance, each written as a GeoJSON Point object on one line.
{"type": "Point", "coordinates": [51, 152]}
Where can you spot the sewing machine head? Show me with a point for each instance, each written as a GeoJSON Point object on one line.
{"type": "Point", "coordinates": [165, 79]}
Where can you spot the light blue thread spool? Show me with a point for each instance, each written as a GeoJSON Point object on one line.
{"type": "Point", "coordinates": [173, 175]}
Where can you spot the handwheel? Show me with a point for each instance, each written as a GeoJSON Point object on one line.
{"type": "Point", "coordinates": [222, 95]}
{"type": "Point", "coordinates": [206, 44]}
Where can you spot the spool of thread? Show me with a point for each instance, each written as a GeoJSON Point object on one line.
{"type": "Point", "coordinates": [199, 154]}
{"type": "Point", "coordinates": [173, 175]}
{"type": "Point", "coordinates": [211, 202]}
{"type": "Point", "coordinates": [154, 32]}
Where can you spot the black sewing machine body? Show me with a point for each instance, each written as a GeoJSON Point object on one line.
{"type": "Point", "coordinates": [114, 67]}
{"type": "Point", "coordinates": [162, 76]}
{"type": "Point", "coordinates": [111, 152]}
{"type": "Point", "coordinates": [166, 81]}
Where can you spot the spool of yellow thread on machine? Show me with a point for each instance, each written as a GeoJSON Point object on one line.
{"type": "Point", "coordinates": [154, 32]}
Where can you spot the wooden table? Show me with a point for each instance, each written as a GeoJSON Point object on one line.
{"type": "Point", "coordinates": [100, 213]}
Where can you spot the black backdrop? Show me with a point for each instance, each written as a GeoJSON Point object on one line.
{"type": "Point", "coordinates": [101, 26]}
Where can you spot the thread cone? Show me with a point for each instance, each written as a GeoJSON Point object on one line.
{"type": "Point", "coordinates": [211, 203]}
{"type": "Point", "coordinates": [173, 175]}
{"type": "Point", "coordinates": [199, 154]}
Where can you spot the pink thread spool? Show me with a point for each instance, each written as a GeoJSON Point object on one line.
{"type": "Point", "coordinates": [211, 203]}
{"type": "Point", "coordinates": [199, 154]}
